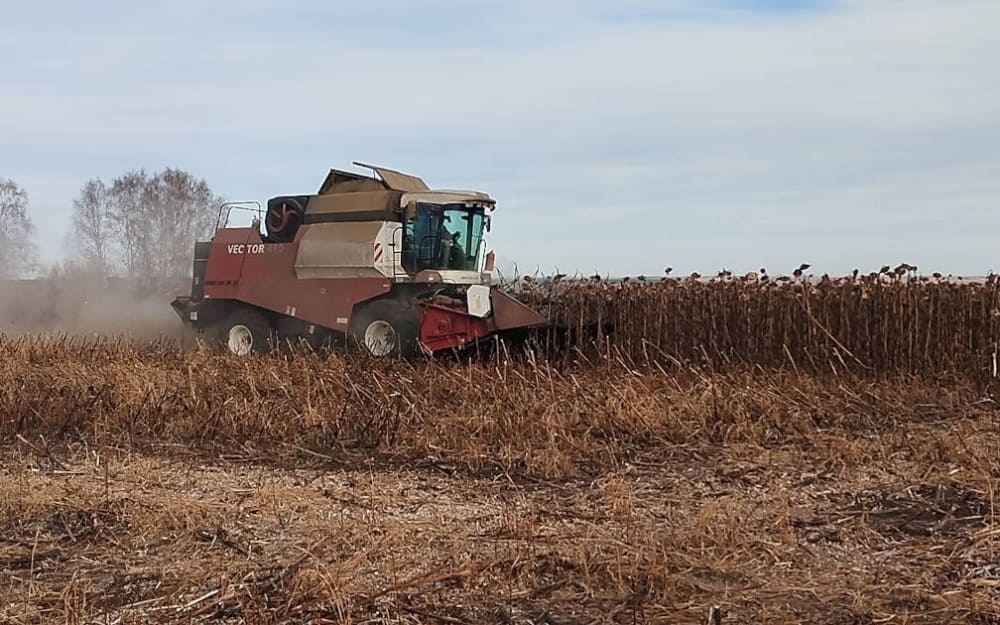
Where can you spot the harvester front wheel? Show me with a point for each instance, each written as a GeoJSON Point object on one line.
{"type": "Point", "coordinates": [244, 332]}
{"type": "Point", "coordinates": [385, 329]}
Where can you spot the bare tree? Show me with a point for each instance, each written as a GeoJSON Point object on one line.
{"type": "Point", "coordinates": [91, 237]}
{"type": "Point", "coordinates": [154, 220]}
{"type": "Point", "coordinates": [18, 254]}
{"type": "Point", "coordinates": [185, 212]}
{"type": "Point", "coordinates": [126, 215]}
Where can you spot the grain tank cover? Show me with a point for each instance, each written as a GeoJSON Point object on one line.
{"type": "Point", "coordinates": [401, 182]}
{"type": "Point", "coordinates": [339, 181]}
{"type": "Point", "coordinates": [347, 197]}
{"type": "Point", "coordinates": [380, 205]}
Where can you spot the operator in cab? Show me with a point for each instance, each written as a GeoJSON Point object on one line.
{"type": "Point", "coordinates": [452, 253]}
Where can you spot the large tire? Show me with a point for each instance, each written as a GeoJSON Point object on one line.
{"type": "Point", "coordinates": [385, 329]}
{"type": "Point", "coordinates": [245, 331]}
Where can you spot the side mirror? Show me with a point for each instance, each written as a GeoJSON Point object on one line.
{"type": "Point", "coordinates": [489, 222]}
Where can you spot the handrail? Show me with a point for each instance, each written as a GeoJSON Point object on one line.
{"type": "Point", "coordinates": [243, 205]}
{"type": "Point", "coordinates": [397, 254]}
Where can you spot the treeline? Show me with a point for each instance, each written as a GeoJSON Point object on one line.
{"type": "Point", "coordinates": [139, 226]}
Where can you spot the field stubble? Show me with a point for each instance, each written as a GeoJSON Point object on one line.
{"type": "Point", "coordinates": [766, 472]}
{"type": "Point", "coordinates": [141, 483]}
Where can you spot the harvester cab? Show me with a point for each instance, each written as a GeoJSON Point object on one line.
{"type": "Point", "coordinates": [444, 231]}
{"type": "Point", "coordinates": [382, 261]}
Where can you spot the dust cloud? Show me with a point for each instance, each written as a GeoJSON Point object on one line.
{"type": "Point", "coordinates": [88, 307]}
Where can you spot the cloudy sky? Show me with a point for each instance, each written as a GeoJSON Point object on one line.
{"type": "Point", "coordinates": [619, 136]}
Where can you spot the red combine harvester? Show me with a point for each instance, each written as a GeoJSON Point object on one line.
{"type": "Point", "coordinates": [383, 261]}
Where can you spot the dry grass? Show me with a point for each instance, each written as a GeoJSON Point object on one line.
{"type": "Point", "coordinates": [143, 484]}
{"type": "Point", "coordinates": [498, 417]}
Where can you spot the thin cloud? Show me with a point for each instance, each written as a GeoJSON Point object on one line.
{"type": "Point", "coordinates": [762, 119]}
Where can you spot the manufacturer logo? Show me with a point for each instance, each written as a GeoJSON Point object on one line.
{"type": "Point", "coordinates": [240, 248]}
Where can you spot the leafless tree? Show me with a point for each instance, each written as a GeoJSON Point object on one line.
{"type": "Point", "coordinates": [185, 210]}
{"type": "Point", "coordinates": [127, 210]}
{"type": "Point", "coordinates": [90, 237]}
{"type": "Point", "coordinates": [151, 223]}
{"type": "Point", "coordinates": [18, 254]}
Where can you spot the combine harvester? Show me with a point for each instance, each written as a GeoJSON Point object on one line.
{"type": "Point", "coordinates": [383, 262]}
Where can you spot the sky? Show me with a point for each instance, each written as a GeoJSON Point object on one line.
{"type": "Point", "coordinates": [618, 137]}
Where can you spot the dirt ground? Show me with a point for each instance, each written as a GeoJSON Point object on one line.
{"type": "Point", "coordinates": [895, 527]}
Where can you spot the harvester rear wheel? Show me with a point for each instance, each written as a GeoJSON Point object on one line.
{"type": "Point", "coordinates": [385, 329]}
{"type": "Point", "coordinates": [245, 331]}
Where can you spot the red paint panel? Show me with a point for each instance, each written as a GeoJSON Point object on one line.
{"type": "Point", "coordinates": [225, 261]}
{"type": "Point", "coordinates": [510, 314]}
{"type": "Point", "coordinates": [241, 267]}
{"type": "Point", "coordinates": [449, 328]}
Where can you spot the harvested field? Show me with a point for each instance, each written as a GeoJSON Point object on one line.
{"type": "Point", "coordinates": [142, 484]}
